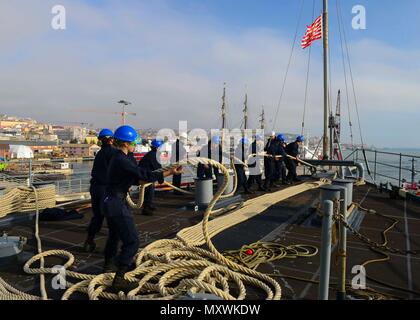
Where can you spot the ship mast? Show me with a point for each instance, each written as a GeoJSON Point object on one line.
{"type": "Point", "coordinates": [224, 108]}
{"type": "Point", "coordinates": [326, 80]}
{"type": "Point", "coordinates": [262, 119]}
{"type": "Point", "coordinates": [246, 112]}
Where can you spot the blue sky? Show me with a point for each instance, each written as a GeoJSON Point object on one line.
{"type": "Point", "coordinates": [171, 57]}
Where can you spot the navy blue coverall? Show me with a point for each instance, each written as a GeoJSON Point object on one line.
{"type": "Point", "coordinates": [280, 162]}
{"type": "Point", "coordinates": [97, 187]}
{"type": "Point", "coordinates": [240, 168]}
{"type": "Point", "coordinates": [208, 152]}
{"type": "Point", "coordinates": [292, 149]}
{"type": "Point", "coordinates": [122, 174]}
{"type": "Point", "coordinates": [254, 163]}
{"type": "Point", "coordinates": [150, 162]}
{"type": "Point", "coordinates": [179, 154]}
{"type": "Point", "coordinates": [269, 162]}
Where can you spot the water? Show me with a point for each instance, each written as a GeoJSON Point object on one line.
{"type": "Point", "coordinates": [387, 168]}
{"type": "Point", "coordinates": [81, 169]}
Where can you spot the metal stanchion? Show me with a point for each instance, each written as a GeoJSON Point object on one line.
{"type": "Point", "coordinates": [342, 247]}
{"type": "Point", "coordinates": [328, 207]}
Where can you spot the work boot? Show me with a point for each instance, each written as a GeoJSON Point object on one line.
{"type": "Point", "coordinates": [147, 212]}
{"type": "Point", "coordinates": [261, 188]}
{"type": "Point", "coordinates": [120, 283]}
{"type": "Point", "coordinates": [109, 266]}
{"type": "Point", "coordinates": [89, 245]}
{"type": "Point", "coordinates": [248, 191]}
{"type": "Point", "coordinates": [150, 207]}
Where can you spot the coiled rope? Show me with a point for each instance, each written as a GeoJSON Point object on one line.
{"type": "Point", "coordinates": [165, 269]}
{"type": "Point", "coordinates": [24, 199]}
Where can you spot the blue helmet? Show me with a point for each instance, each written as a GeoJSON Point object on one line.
{"type": "Point", "coordinates": [281, 137]}
{"type": "Point", "coordinates": [244, 140]}
{"type": "Point", "coordinates": [300, 139]}
{"type": "Point", "coordinates": [157, 143]}
{"type": "Point", "coordinates": [126, 134]}
{"type": "Point", "coordinates": [216, 139]}
{"type": "Point", "coordinates": [105, 133]}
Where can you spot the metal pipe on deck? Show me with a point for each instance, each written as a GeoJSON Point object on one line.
{"type": "Point", "coordinates": [326, 250]}
{"type": "Point", "coordinates": [339, 163]}
{"type": "Point", "coordinates": [342, 247]}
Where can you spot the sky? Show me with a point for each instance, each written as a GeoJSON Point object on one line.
{"type": "Point", "coordinates": [170, 58]}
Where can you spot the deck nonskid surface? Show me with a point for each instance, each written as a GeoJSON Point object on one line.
{"type": "Point", "coordinates": [285, 223]}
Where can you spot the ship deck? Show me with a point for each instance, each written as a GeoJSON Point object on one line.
{"type": "Point", "coordinates": [287, 222]}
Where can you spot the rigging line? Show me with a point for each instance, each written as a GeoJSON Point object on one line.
{"type": "Point", "coordinates": [345, 75]}
{"type": "Point", "coordinates": [288, 64]}
{"type": "Point", "coordinates": [307, 77]}
{"type": "Point", "coordinates": [352, 79]}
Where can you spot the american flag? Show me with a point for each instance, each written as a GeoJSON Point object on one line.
{"type": "Point", "coordinates": [313, 32]}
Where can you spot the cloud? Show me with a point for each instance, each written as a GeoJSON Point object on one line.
{"type": "Point", "coordinates": [172, 66]}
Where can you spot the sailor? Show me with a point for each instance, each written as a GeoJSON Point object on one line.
{"type": "Point", "coordinates": [269, 165]}
{"type": "Point", "coordinates": [292, 150]}
{"type": "Point", "coordinates": [97, 186]}
{"type": "Point", "coordinates": [151, 161]}
{"type": "Point", "coordinates": [122, 174]}
{"type": "Point", "coordinates": [180, 153]}
{"type": "Point", "coordinates": [255, 166]}
{"type": "Point", "coordinates": [241, 152]}
{"type": "Point", "coordinates": [213, 150]}
{"type": "Point", "coordinates": [280, 159]}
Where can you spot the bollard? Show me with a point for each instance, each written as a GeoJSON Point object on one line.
{"type": "Point", "coordinates": [348, 184]}
{"type": "Point", "coordinates": [203, 192]}
{"type": "Point", "coordinates": [325, 250]}
{"type": "Point", "coordinates": [221, 178]}
{"type": "Point", "coordinates": [330, 192]}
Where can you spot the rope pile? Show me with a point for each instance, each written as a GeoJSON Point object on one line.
{"type": "Point", "coordinates": [165, 269]}
{"type": "Point", "coordinates": [23, 199]}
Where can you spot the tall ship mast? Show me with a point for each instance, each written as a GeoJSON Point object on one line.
{"type": "Point", "coordinates": [224, 108]}
{"type": "Point", "coordinates": [245, 111]}
{"type": "Point", "coordinates": [325, 32]}
{"type": "Point", "coordinates": [262, 119]}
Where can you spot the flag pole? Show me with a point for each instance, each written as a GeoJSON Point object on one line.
{"type": "Point", "coordinates": [326, 74]}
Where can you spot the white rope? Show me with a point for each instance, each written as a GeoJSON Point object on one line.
{"type": "Point", "coordinates": [160, 265]}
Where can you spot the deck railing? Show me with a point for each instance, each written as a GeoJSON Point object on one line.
{"type": "Point", "coordinates": [72, 186]}
{"type": "Point", "coordinates": [384, 166]}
